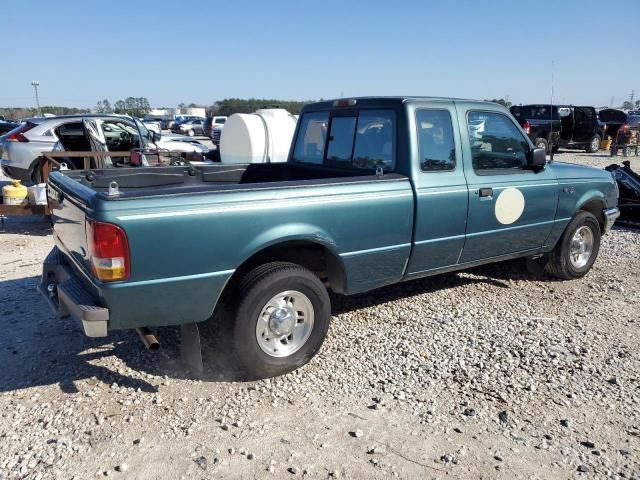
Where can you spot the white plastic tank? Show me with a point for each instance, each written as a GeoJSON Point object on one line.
{"type": "Point", "coordinates": [261, 137]}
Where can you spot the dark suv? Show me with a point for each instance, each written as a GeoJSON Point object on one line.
{"type": "Point", "coordinates": [555, 126]}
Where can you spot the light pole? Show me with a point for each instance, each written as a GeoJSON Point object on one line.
{"type": "Point", "coordinates": [35, 84]}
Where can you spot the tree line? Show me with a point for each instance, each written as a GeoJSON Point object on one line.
{"type": "Point", "coordinates": [18, 113]}
{"type": "Point", "coordinates": [229, 106]}
{"type": "Point", "coordinates": [140, 106]}
{"type": "Point", "coordinates": [134, 106]}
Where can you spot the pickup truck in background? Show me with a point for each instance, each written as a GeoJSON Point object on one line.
{"type": "Point", "coordinates": [560, 126]}
{"type": "Point", "coordinates": [376, 191]}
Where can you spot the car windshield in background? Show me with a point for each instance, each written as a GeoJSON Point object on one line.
{"type": "Point", "coordinates": [634, 121]}
{"type": "Point", "coordinates": [363, 141]}
{"type": "Point", "coordinates": [534, 112]}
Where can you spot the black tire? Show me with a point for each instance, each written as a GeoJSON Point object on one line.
{"type": "Point", "coordinates": [560, 265]}
{"type": "Point", "coordinates": [542, 143]}
{"type": "Point", "coordinates": [254, 292]}
{"type": "Point", "coordinates": [594, 145]}
{"type": "Point", "coordinates": [555, 149]}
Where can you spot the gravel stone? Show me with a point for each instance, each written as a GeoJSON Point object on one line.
{"type": "Point", "coordinates": [538, 365]}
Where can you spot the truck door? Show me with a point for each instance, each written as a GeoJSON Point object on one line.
{"type": "Point", "coordinates": [441, 189]}
{"type": "Point", "coordinates": [511, 208]}
{"type": "Point", "coordinates": [585, 121]}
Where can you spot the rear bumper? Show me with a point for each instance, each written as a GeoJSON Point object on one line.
{"type": "Point", "coordinates": [67, 296]}
{"type": "Point", "coordinates": [610, 217]}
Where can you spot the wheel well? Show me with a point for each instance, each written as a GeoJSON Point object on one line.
{"type": "Point", "coordinates": [595, 207]}
{"type": "Point", "coordinates": [313, 256]}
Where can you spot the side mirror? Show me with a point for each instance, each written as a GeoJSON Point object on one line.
{"type": "Point", "coordinates": [155, 136]}
{"type": "Point", "coordinates": [537, 159]}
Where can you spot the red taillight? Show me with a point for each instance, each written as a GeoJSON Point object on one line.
{"type": "Point", "coordinates": [108, 251]}
{"type": "Point", "coordinates": [625, 127]}
{"type": "Point", "coordinates": [526, 126]}
{"type": "Point", "coordinates": [16, 135]}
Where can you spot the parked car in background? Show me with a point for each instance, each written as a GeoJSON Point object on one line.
{"type": "Point", "coordinates": [353, 209]}
{"type": "Point", "coordinates": [166, 123]}
{"type": "Point", "coordinates": [554, 126]}
{"type": "Point", "coordinates": [7, 126]}
{"type": "Point", "coordinates": [21, 149]}
{"type": "Point", "coordinates": [180, 143]}
{"type": "Point", "coordinates": [153, 125]}
{"type": "Point", "coordinates": [211, 123]}
{"type": "Point", "coordinates": [189, 127]}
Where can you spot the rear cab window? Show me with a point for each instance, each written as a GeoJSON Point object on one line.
{"type": "Point", "coordinates": [361, 140]}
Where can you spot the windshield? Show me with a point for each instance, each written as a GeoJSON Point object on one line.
{"type": "Point", "coordinates": [144, 133]}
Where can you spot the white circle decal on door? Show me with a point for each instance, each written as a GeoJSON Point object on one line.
{"type": "Point", "coordinates": [509, 205]}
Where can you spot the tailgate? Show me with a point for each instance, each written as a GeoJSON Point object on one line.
{"type": "Point", "coordinates": [69, 203]}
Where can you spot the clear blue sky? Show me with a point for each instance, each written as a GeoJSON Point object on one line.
{"type": "Point", "coordinates": [201, 50]}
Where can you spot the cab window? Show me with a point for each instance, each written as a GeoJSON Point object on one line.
{"type": "Point", "coordinates": [497, 144]}
{"type": "Point", "coordinates": [435, 141]}
{"type": "Point", "coordinates": [311, 138]}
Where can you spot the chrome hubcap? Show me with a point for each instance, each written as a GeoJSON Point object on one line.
{"type": "Point", "coordinates": [285, 324]}
{"type": "Point", "coordinates": [595, 144]}
{"type": "Point", "coordinates": [581, 247]}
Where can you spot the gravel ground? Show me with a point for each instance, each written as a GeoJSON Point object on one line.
{"type": "Point", "coordinates": [490, 373]}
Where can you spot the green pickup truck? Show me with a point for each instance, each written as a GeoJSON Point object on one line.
{"type": "Point", "coordinates": [375, 191]}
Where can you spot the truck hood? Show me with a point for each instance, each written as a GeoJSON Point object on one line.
{"type": "Point", "coordinates": [570, 171]}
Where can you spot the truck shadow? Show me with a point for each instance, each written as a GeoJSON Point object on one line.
{"type": "Point", "coordinates": [38, 225]}
{"type": "Point", "coordinates": [36, 348]}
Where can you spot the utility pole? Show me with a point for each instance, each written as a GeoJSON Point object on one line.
{"type": "Point", "coordinates": [35, 84]}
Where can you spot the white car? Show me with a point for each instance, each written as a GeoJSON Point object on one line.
{"type": "Point", "coordinates": [152, 125]}
{"type": "Point", "coordinates": [180, 143]}
{"type": "Point", "coordinates": [21, 148]}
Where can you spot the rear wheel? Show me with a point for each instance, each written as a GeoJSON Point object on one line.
{"type": "Point", "coordinates": [191, 133]}
{"type": "Point", "coordinates": [577, 249]}
{"type": "Point", "coordinates": [542, 143]}
{"type": "Point", "coordinates": [594, 145]}
{"type": "Point", "coordinates": [281, 320]}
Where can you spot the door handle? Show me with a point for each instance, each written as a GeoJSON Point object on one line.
{"type": "Point", "coordinates": [485, 192]}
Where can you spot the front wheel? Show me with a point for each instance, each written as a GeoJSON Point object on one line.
{"type": "Point", "coordinates": [594, 145]}
{"type": "Point", "coordinates": [577, 249]}
{"type": "Point", "coordinates": [281, 320]}
{"type": "Point", "coordinates": [191, 133]}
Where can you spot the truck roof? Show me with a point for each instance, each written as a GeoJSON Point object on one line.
{"type": "Point", "coordinates": [389, 100]}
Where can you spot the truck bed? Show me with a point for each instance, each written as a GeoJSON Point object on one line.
{"type": "Point", "coordinates": [162, 181]}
